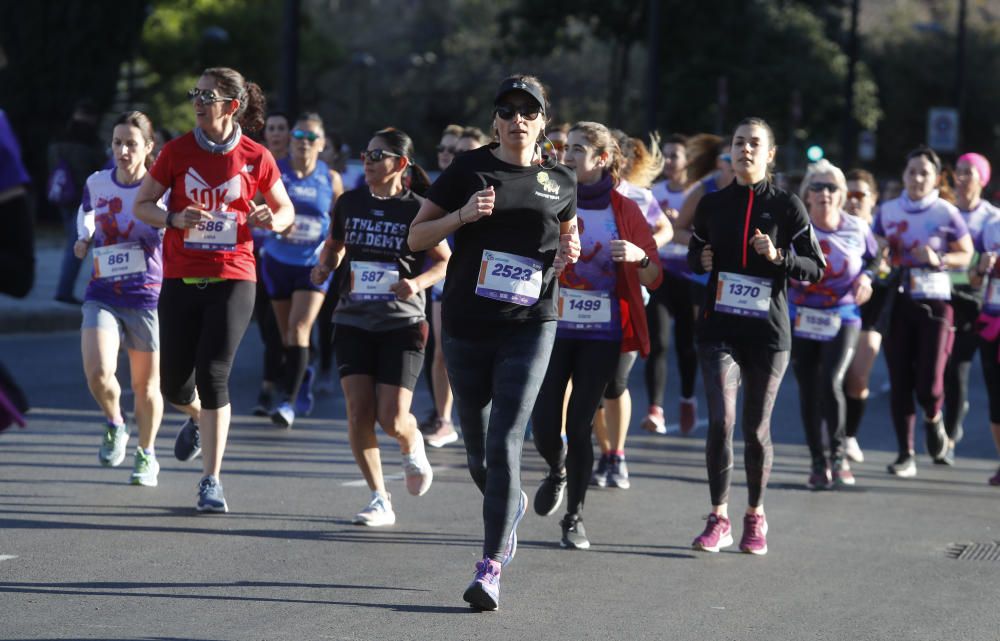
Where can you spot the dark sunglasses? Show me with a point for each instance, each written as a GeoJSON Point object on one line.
{"type": "Point", "coordinates": [555, 145]}
{"type": "Point", "coordinates": [206, 96]}
{"type": "Point", "coordinates": [528, 112]}
{"type": "Point", "coordinates": [376, 155]}
{"type": "Point", "coordinates": [818, 187]}
{"type": "Point", "coordinates": [301, 134]}
{"type": "Point", "coordinates": [444, 148]}
{"type": "Point", "coordinates": [860, 195]}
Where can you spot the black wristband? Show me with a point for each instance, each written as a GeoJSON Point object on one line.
{"type": "Point", "coordinates": [644, 263]}
{"type": "Point", "coordinates": [169, 222]}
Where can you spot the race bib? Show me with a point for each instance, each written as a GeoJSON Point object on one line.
{"type": "Point", "coordinates": [584, 309]}
{"type": "Point", "coordinates": [743, 295]}
{"type": "Point", "coordinates": [816, 324]}
{"type": "Point", "coordinates": [510, 278]}
{"type": "Point", "coordinates": [929, 284]}
{"type": "Point", "coordinates": [216, 234]}
{"type": "Point", "coordinates": [306, 230]}
{"type": "Point", "coordinates": [992, 301]}
{"type": "Point", "coordinates": [124, 261]}
{"type": "Point", "coordinates": [371, 280]}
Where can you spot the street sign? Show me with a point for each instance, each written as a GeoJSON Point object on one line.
{"type": "Point", "coordinates": [942, 129]}
{"type": "Point", "coordinates": [866, 145]}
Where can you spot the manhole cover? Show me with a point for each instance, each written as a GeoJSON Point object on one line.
{"type": "Point", "coordinates": [975, 551]}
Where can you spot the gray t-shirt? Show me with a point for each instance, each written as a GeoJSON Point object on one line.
{"type": "Point", "coordinates": [374, 234]}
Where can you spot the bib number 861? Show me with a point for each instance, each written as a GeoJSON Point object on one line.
{"type": "Point", "coordinates": [118, 259]}
{"type": "Point", "coordinates": [512, 272]}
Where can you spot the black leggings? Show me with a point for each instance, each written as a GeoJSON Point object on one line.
{"type": "Point", "coordinates": [989, 356]}
{"type": "Point", "coordinates": [200, 329]}
{"type": "Point", "coordinates": [270, 335]}
{"type": "Point", "coordinates": [674, 298]}
{"type": "Point", "coordinates": [590, 364]}
{"type": "Point", "coordinates": [820, 367]}
{"type": "Point", "coordinates": [956, 380]}
{"type": "Point", "coordinates": [17, 248]}
{"type": "Point", "coordinates": [618, 384]}
{"type": "Point", "coordinates": [723, 366]}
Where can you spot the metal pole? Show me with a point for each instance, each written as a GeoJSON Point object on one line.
{"type": "Point", "coordinates": [848, 141]}
{"type": "Point", "coordinates": [653, 66]}
{"type": "Point", "coordinates": [290, 58]}
{"type": "Point", "coordinates": [960, 64]}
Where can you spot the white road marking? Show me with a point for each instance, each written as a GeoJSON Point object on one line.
{"type": "Point", "coordinates": [7, 557]}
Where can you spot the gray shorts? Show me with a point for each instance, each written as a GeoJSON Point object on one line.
{"type": "Point", "coordinates": [139, 329]}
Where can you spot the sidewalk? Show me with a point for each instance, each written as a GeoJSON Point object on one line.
{"type": "Point", "coordinates": [39, 312]}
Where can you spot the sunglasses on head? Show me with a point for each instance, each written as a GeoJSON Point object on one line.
{"type": "Point", "coordinates": [301, 134]}
{"type": "Point", "coordinates": [376, 155]}
{"type": "Point", "coordinates": [818, 187]}
{"type": "Point", "coordinates": [206, 96]}
{"type": "Point", "coordinates": [528, 112]}
{"type": "Point", "coordinates": [445, 149]}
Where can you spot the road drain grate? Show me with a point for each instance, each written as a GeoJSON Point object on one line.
{"type": "Point", "coordinates": [975, 551]}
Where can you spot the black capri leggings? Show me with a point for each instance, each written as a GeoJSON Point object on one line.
{"type": "Point", "coordinates": [989, 357]}
{"type": "Point", "coordinates": [619, 384]}
{"type": "Point", "coordinates": [675, 298]}
{"type": "Point", "coordinates": [200, 329]}
{"type": "Point", "coordinates": [820, 367]}
{"type": "Point", "coordinates": [723, 365]}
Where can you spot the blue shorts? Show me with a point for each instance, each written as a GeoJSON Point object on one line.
{"type": "Point", "coordinates": [281, 279]}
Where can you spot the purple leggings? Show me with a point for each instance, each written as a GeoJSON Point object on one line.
{"type": "Point", "coordinates": [917, 347]}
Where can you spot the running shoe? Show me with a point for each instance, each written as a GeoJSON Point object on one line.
{"type": "Point", "coordinates": [618, 473]}
{"type": "Point", "coordinates": [484, 591]}
{"type": "Point", "coordinates": [417, 470]}
{"type": "Point", "coordinates": [188, 444]}
{"type": "Point", "coordinates": [283, 415]}
{"type": "Point", "coordinates": [574, 537]}
{"type": "Point", "coordinates": [210, 497]}
{"type": "Point", "coordinates": [688, 415]}
{"type": "Point", "coordinates": [441, 434]}
{"type": "Point", "coordinates": [377, 513]}
{"type": "Point", "coordinates": [600, 476]}
{"type": "Point", "coordinates": [304, 400]}
{"type": "Point", "coordinates": [146, 469]}
{"type": "Point", "coordinates": [654, 420]}
{"type": "Point", "coordinates": [754, 540]}
{"type": "Point", "coordinates": [948, 458]}
{"type": "Point", "coordinates": [718, 534]}
{"type": "Point", "coordinates": [263, 407]}
{"type": "Point", "coordinates": [511, 548]}
{"type": "Point", "coordinates": [937, 439]}
{"type": "Point", "coordinates": [995, 479]}
{"type": "Point", "coordinates": [852, 450]}
{"type": "Point", "coordinates": [819, 478]}
{"type": "Point", "coordinates": [905, 466]}
{"type": "Point", "coordinates": [549, 495]}
{"type": "Point", "coordinates": [843, 476]}
{"type": "Point", "coordinates": [113, 445]}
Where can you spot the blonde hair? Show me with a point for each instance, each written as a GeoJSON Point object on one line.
{"type": "Point", "coordinates": [824, 166]}
{"type": "Point", "coordinates": [643, 164]}
{"type": "Point", "coordinates": [599, 137]}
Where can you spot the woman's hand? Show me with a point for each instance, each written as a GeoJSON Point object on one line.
{"type": "Point", "coordinates": [622, 251]}
{"type": "Point", "coordinates": [405, 288]}
{"type": "Point", "coordinates": [261, 216]}
{"type": "Point", "coordinates": [862, 289]}
{"type": "Point", "coordinates": [80, 248]}
{"type": "Point", "coordinates": [926, 255]}
{"type": "Point", "coordinates": [480, 205]}
{"type": "Point", "coordinates": [987, 261]}
{"type": "Point", "coordinates": [319, 274]}
{"type": "Point", "coordinates": [190, 217]}
{"type": "Point", "coordinates": [706, 258]}
{"type": "Point", "coordinates": [762, 244]}
{"type": "Point", "coordinates": [569, 250]}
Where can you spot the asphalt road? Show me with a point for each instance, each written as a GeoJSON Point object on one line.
{"type": "Point", "coordinates": [84, 555]}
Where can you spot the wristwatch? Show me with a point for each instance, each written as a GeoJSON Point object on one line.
{"type": "Point", "coordinates": [169, 222]}
{"type": "Point", "coordinates": [644, 263]}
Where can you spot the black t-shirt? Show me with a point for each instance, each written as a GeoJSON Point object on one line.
{"type": "Point", "coordinates": [531, 202]}
{"type": "Point", "coordinates": [374, 232]}
{"type": "Point", "coordinates": [721, 220]}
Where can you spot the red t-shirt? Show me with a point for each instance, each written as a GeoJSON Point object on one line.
{"type": "Point", "coordinates": [216, 183]}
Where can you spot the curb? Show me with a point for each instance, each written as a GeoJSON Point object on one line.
{"type": "Point", "coordinates": [37, 318]}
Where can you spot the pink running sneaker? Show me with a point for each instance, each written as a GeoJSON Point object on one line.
{"type": "Point", "coordinates": [688, 415]}
{"type": "Point", "coordinates": [754, 539]}
{"type": "Point", "coordinates": [718, 534]}
{"type": "Point", "coordinates": [820, 479]}
{"type": "Point", "coordinates": [995, 479]}
{"type": "Point", "coordinates": [654, 420]}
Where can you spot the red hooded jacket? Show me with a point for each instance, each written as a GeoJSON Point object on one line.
{"type": "Point", "coordinates": [632, 226]}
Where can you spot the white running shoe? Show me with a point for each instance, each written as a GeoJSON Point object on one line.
{"type": "Point", "coordinates": [852, 450]}
{"type": "Point", "coordinates": [377, 513]}
{"type": "Point", "coordinates": [417, 469]}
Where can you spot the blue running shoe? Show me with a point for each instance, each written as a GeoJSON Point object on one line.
{"type": "Point", "coordinates": [484, 591]}
{"type": "Point", "coordinates": [305, 400]}
{"type": "Point", "coordinates": [210, 497]}
{"type": "Point", "coordinates": [511, 548]}
{"type": "Point", "coordinates": [283, 415]}
{"type": "Point", "coordinates": [188, 444]}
